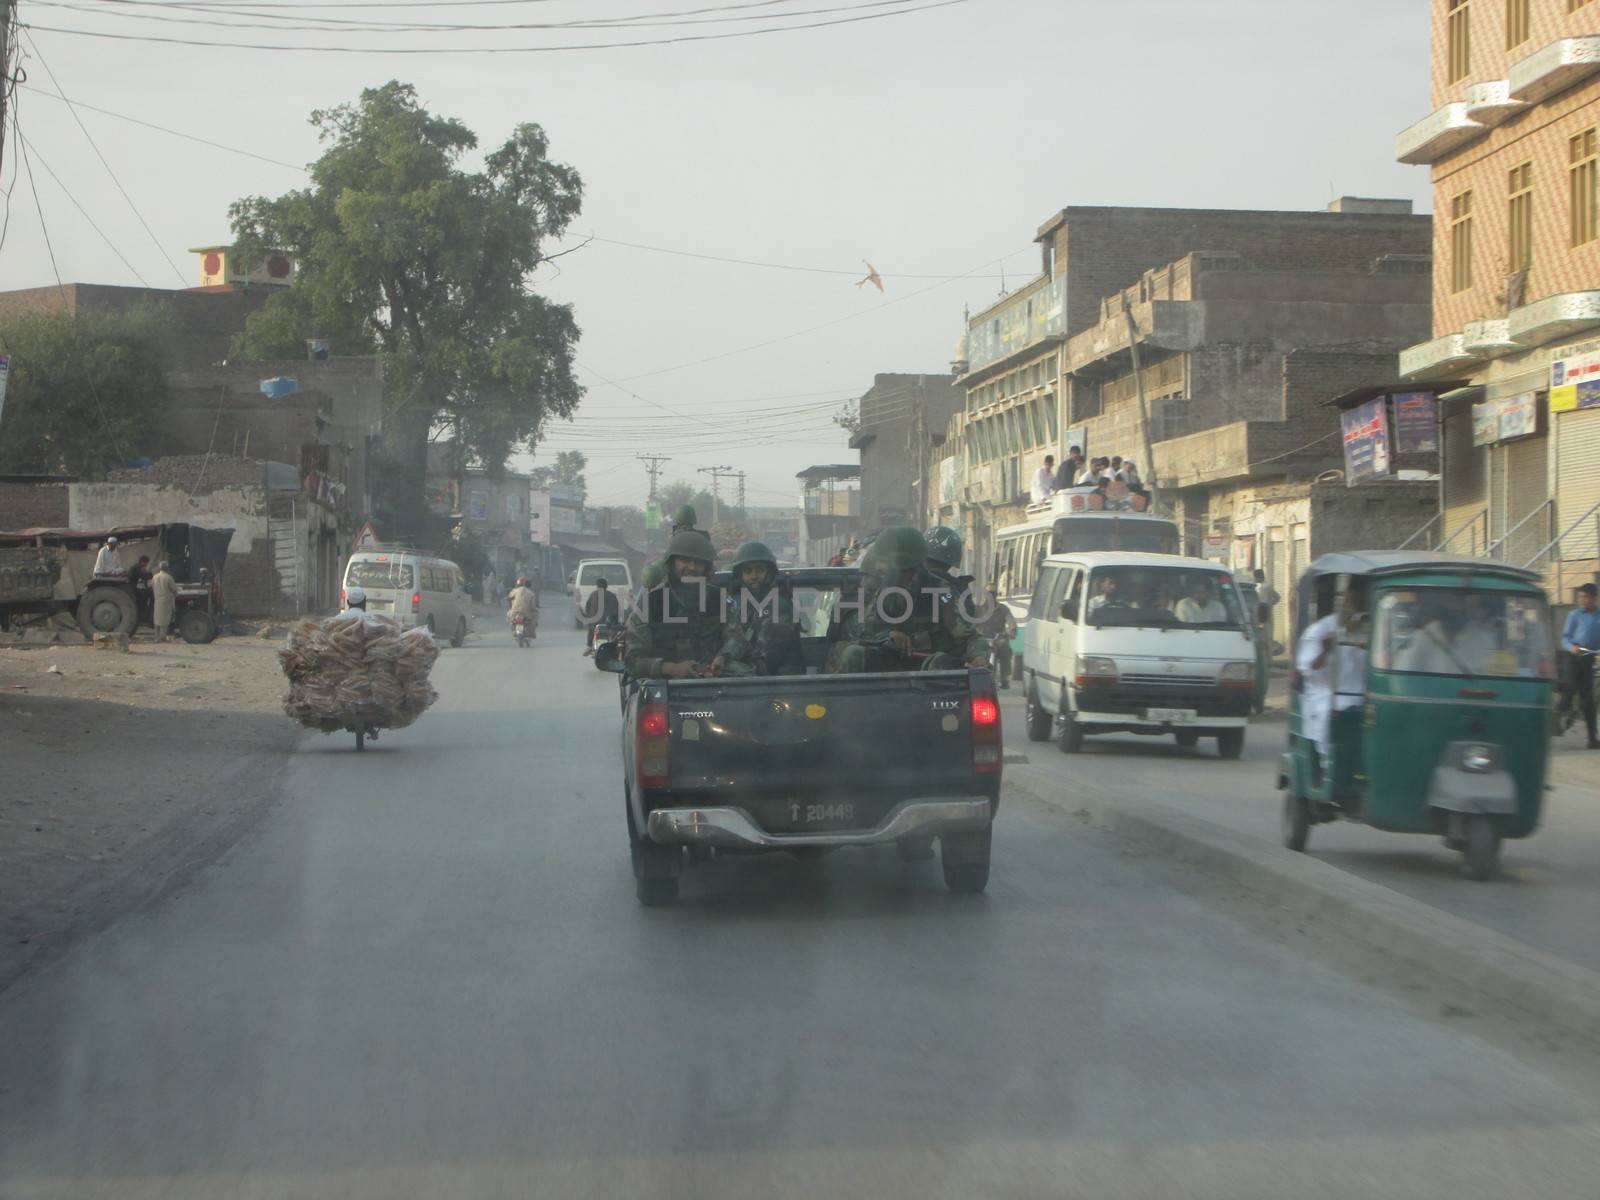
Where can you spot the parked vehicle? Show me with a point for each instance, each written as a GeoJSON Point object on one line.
{"type": "Point", "coordinates": [810, 763]}
{"type": "Point", "coordinates": [1450, 732]}
{"type": "Point", "coordinates": [45, 571]}
{"type": "Point", "coordinates": [413, 588]}
{"type": "Point", "coordinates": [591, 571]}
{"type": "Point", "coordinates": [1153, 644]}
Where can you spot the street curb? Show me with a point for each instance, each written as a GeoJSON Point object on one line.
{"type": "Point", "coordinates": [1480, 959]}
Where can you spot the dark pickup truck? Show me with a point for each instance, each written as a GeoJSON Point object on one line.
{"type": "Point", "coordinates": [808, 763]}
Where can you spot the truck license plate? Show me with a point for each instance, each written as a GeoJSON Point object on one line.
{"type": "Point", "coordinates": [1172, 716]}
{"type": "Point", "coordinates": [821, 814]}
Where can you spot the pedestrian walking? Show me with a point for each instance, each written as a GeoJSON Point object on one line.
{"type": "Point", "coordinates": [1580, 638]}
{"type": "Point", "coordinates": [1044, 480]}
{"type": "Point", "coordinates": [1267, 599]}
{"type": "Point", "coordinates": [164, 600]}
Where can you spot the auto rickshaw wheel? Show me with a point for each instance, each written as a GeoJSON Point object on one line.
{"type": "Point", "coordinates": [1296, 821]}
{"type": "Point", "coordinates": [1482, 848]}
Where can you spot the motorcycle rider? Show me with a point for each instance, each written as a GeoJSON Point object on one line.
{"type": "Point", "coordinates": [677, 632]}
{"type": "Point", "coordinates": [762, 631]}
{"type": "Point", "coordinates": [355, 599]}
{"type": "Point", "coordinates": [904, 611]}
{"type": "Point", "coordinates": [523, 601]}
{"type": "Point", "coordinates": [995, 621]}
{"type": "Point", "coordinates": [601, 608]}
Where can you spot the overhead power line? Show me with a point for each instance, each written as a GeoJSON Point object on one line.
{"type": "Point", "coordinates": [852, 272]}
{"type": "Point", "coordinates": [33, 46]}
{"type": "Point", "coordinates": [115, 249]}
{"type": "Point", "coordinates": [314, 48]}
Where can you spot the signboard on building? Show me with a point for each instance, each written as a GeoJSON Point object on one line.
{"type": "Point", "coordinates": [1077, 436]}
{"type": "Point", "coordinates": [1575, 379]}
{"type": "Point", "coordinates": [1366, 441]}
{"type": "Point", "coordinates": [1019, 324]}
{"type": "Point", "coordinates": [1416, 426]}
{"type": "Point", "coordinates": [539, 515]}
{"type": "Point", "coordinates": [1504, 418]}
{"type": "Point", "coordinates": [478, 506]}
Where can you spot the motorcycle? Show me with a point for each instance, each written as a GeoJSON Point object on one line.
{"type": "Point", "coordinates": [519, 627]}
{"type": "Point", "coordinates": [608, 647]}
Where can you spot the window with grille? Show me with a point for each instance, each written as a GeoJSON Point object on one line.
{"type": "Point", "coordinates": [1460, 37]}
{"type": "Point", "coordinates": [1520, 212]}
{"type": "Point", "coordinates": [1581, 178]}
{"type": "Point", "coordinates": [1461, 242]}
{"type": "Point", "coordinates": [1516, 22]}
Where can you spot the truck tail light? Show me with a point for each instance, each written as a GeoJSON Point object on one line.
{"type": "Point", "coordinates": [416, 601]}
{"type": "Point", "coordinates": [986, 743]}
{"type": "Point", "coordinates": [653, 747]}
{"type": "Point", "coordinates": [344, 597]}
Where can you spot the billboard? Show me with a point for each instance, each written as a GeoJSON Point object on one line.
{"type": "Point", "coordinates": [1025, 321]}
{"type": "Point", "coordinates": [1416, 427]}
{"type": "Point", "coordinates": [1504, 418]}
{"type": "Point", "coordinates": [1366, 441]}
{"type": "Point", "coordinates": [1575, 380]}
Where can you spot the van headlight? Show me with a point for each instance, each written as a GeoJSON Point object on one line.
{"type": "Point", "coordinates": [1237, 674]}
{"type": "Point", "coordinates": [1478, 759]}
{"type": "Point", "coordinates": [1092, 668]}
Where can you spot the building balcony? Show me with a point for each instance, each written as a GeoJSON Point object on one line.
{"type": "Point", "coordinates": [1491, 102]}
{"type": "Point", "coordinates": [1553, 69]}
{"type": "Point", "coordinates": [1442, 355]}
{"type": "Point", "coordinates": [1438, 134]}
{"type": "Point", "coordinates": [1554, 317]}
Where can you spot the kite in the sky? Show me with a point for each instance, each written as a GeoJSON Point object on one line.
{"type": "Point", "coordinates": [873, 277]}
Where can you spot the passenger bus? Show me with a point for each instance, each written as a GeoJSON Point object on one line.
{"type": "Point", "coordinates": [1071, 522]}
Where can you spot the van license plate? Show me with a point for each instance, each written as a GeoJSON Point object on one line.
{"type": "Point", "coordinates": [1172, 716]}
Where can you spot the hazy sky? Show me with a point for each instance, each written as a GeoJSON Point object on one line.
{"type": "Point", "coordinates": [932, 143]}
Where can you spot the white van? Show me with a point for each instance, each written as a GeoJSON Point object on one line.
{"type": "Point", "coordinates": [413, 589]}
{"type": "Point", "coordinates": [1138, 643]}
{"type": "Point", "coordinates": [590, 572]}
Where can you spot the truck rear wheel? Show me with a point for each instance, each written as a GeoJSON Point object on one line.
{"type": "Point", "coordinates": [106, 610]}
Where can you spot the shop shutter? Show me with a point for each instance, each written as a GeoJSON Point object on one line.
{"type": "Point", "coordinates": [1526, 465]}
{"type": "Point", "coordinates": [1577, 478]}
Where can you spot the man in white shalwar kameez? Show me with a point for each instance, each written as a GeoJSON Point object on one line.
{"type": "Point", "coordinates": [1332, 660]}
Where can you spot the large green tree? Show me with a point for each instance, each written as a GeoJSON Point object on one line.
{"type": "Point", "coordinates": [86, 392]}
{"type": "Point", "coordinates": [401, 251]}
{"type": "Point", "coordinates": [567, 469]}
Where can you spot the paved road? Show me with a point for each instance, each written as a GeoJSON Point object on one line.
{"type": "Point", "coordinates": [1549, 890]}
{"type": "Point", "coordinates": [425, 975]}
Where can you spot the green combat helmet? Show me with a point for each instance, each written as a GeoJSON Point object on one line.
{"type": "Point", "coordinates": [900, 548]}
{"type": "Point", "coordinates": [753, 552]}
{"type": "Point", "coordinates": [685, 518]}
{"type": "Point", "coordinates": [944, 546]}
{"type": "Point", "coordinates": [691, 543]}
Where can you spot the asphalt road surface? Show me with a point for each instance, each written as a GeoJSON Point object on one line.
{"type": "Point", "coordinates": [425, 974]}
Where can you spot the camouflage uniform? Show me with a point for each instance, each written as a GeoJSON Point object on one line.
{"type": "Point", "coordinates": [933, 623]}
{"type": "Point", "coordinates": [677, 622]}
{"type": "Point", "coordinates": [762, 633]}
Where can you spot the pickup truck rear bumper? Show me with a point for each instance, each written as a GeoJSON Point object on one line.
{"type": "Point", "coordinates": [734, 827]}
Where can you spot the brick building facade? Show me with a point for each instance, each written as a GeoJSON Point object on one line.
{"type": "Point", "coordinates": [899, 414]}
{"type": "Point", "coordinates": [1513, 142]}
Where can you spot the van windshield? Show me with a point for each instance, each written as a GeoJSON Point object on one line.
{"type": "Point", "coordinates": [371, 573]}
{"type": "Point", "coordinates": [615, 574]}
{"type": "Point", "coordinates": [1163, 597]}
{"type": "Point", "coordinates": [1431, 631]}
{"type": "Point", "coordinates": [1084, 534]}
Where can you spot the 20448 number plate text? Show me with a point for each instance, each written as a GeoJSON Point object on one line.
{"type": "Point", "coordinates": [817, 814]}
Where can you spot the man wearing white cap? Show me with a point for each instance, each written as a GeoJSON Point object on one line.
{"type": "Point", "coordinates": [108, 561]}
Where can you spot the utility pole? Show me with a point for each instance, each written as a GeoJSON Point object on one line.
{"type": "Point", "coordinates": [652, 462]}
{"type": "Point", "coordinates": [739, 475]}
{"type": "Point", "coordinates": [1138, 383]}
{"type": "Point", "coordinates": [716, 474]}
{"type": "Point", "coordinates": [8, 10]}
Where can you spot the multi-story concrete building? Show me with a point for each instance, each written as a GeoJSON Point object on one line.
{"type": "Point", "coordinates": [1514, 145]}
{"type": "Point", "coordinates": [898, 416]}
{"type": "Point", "coordinates": [1246, 323]}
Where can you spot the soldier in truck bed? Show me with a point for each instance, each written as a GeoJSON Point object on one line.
{"type": "Point", "coordinates": [656, 572]}
{"type": "Point", "coordinates": [762, 633]}
{"type": "Point", "coordinates": [906, 619]}
{"type": "Point", "coordinates": [678, 631]}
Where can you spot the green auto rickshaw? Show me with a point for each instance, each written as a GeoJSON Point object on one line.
{"type": "Point", "coordinates": [1260, 637]}
{"type": "Point", "coordinates": [1420, 700]}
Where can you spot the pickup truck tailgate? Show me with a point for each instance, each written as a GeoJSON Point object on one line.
{"type": "Point", "coordinates": [896, 735]}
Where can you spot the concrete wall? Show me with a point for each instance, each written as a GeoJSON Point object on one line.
{"type": "Point", "coordinates": [203, 323]}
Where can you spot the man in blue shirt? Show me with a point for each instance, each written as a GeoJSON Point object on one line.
{"type": "Point", "coordinates": [1580, 637]}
